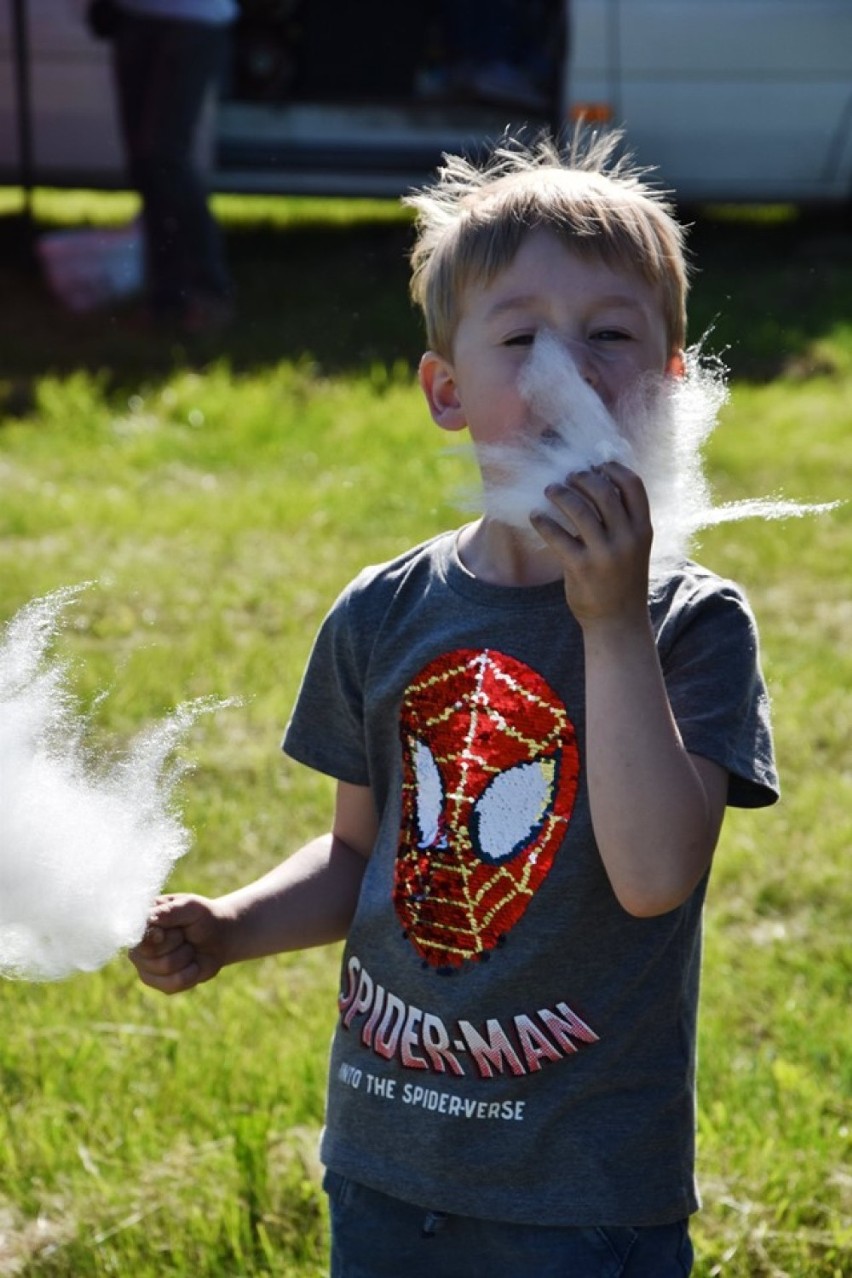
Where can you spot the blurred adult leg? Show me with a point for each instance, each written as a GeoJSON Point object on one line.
{"type": "Point", "coordinates": [165, 70]}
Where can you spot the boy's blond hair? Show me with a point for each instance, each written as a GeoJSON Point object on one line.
{"type": "Point", "coordinates": [472, 220]}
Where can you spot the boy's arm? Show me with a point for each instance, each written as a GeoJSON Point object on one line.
{"type": "Point", "coordinates": [656, 810]}
{"type": "Point", "coordinates": [307, 900]}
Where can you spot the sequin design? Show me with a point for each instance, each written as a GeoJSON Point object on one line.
{"type": "Point", "coordinates": [490, 771]}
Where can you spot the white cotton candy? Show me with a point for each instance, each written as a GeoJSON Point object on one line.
{"type": "Point", "coordinates": [84, 848]}
{"type": "Point", "coordinates": [576, 432]}
{"type": "Point", "coordinates": [659, 431]}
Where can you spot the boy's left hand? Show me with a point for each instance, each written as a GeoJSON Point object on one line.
{"type": "Point", "coordinates": [605, 564]}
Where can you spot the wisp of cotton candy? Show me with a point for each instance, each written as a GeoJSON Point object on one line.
{"type": "Point", "coordinates": [84, 847]}
{"type": "Point", "coordinates": [658, 430]}
{"type": "Point", "coordinates": [574, 432]}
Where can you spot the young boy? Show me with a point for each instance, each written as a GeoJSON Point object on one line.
{"type": "Point", "coordinates": [534, 739]}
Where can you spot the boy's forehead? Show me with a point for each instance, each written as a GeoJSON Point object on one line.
{"type": "Point", "coordinates": [544, 265]}
{"type": "Point", "coordinates": [505, 303]}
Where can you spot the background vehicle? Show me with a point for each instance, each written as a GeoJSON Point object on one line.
{"type": "Point", "coordinates": [740, 100]}
{"type": "Point", "coordinates": [730, 99]}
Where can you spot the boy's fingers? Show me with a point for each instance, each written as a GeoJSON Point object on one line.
{"type": "Point", "coordinates": [176, 911]}
{"type": "Point", "coordinates": [165, 964]}
{"type": "Point", "coordinates": [170, 957]}
{"type": "Point", "coordinates": [555, 535]}
{"type": "Point", "coordinates": [171, 904]}
{"type": "Point", "coordinates": [158, 941]}
{"type": "Point", "coordinates": [610, 499]}
{"type": "Point", "coordinates": [579, 499]}
{"type": "Point", "coordinates": [600, 489]}
{"type": "Point", "coordinates": [619, 472]}
{"type": "Point", "coordinates": [171, 982]}
{"type": "Point", "coordinates": [631, 488]}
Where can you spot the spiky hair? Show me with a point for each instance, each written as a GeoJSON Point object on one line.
{"type": "Point", "coordinates": [472, 220]}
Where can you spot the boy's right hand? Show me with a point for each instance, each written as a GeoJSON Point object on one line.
{"type": "Point", "coordinates": [183, 946]}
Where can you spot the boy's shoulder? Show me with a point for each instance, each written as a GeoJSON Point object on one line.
{"type": "Point", "coordinates": [690, 583]}
{"type": "Point", "coordinates": [387, 577]}
{"type": "Point", "coordinates": [692, 600]}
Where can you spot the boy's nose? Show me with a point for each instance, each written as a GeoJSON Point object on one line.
{"type": "Point", "coordinates": [584, 363]}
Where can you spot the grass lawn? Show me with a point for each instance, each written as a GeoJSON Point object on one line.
{"type": "Point", "coordinates": [219, 495]}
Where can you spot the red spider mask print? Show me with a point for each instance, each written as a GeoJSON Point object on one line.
{"type": "Point", "coordinates": [490, 768]}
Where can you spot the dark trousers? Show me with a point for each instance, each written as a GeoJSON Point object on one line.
{"type": "Point", "coordinates": [374, 1236]}
{"type": "Point", "coordinates": [164, 70]}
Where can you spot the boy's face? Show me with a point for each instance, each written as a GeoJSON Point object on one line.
{"type": "Point", "coordinates": [610, 321]}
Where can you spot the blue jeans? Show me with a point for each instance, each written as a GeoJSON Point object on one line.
{"type": "Point", "coordinates": [374, 1236]}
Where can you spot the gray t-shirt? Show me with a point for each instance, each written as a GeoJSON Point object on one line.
{"type": "Point", "coordinates": [512, 1044]}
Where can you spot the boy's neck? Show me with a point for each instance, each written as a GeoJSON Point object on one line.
{"type": "Point", "coordinates": [503, 556]}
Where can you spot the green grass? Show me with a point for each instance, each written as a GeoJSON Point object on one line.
{"type": "Point", "coordinates": [219, 496]}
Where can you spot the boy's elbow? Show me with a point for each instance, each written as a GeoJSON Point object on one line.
{"type": "Point", "coordinates": [645, 905]}
{"type": "Point", "coordinates": [652, 897]}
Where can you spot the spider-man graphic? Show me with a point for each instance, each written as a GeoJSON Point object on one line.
{"type": "Point", "coordinates": [490, 768]}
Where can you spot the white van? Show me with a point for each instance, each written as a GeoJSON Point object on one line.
{"type": "Point", "coordinates": [731, 100]}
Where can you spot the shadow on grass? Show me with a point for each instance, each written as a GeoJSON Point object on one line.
{"type": "Point", "coordinates": [768, 286]}
{"type": "Point", "coordinates": [334, 294]}
{"type": "Point", "coordinates": [771, 285]}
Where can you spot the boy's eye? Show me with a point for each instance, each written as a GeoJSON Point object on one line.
{"type": "Point", "coordinates": [611, 335]}
{"type": "Point", "coordinates": [519, 339]}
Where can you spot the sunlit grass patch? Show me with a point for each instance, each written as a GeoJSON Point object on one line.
{"type": "Point", "coordinates": [218, 505]}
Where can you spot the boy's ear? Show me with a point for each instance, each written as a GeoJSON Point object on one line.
{"type": "Point", "coordinates": [438, 383]}
{"type": "Point", "coordinates": [676, 366]}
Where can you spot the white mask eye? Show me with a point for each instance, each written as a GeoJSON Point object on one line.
{"type": "Point", "coordinates": [512, 810]}
{"type": "Point", "coordinates": [429, 793]}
